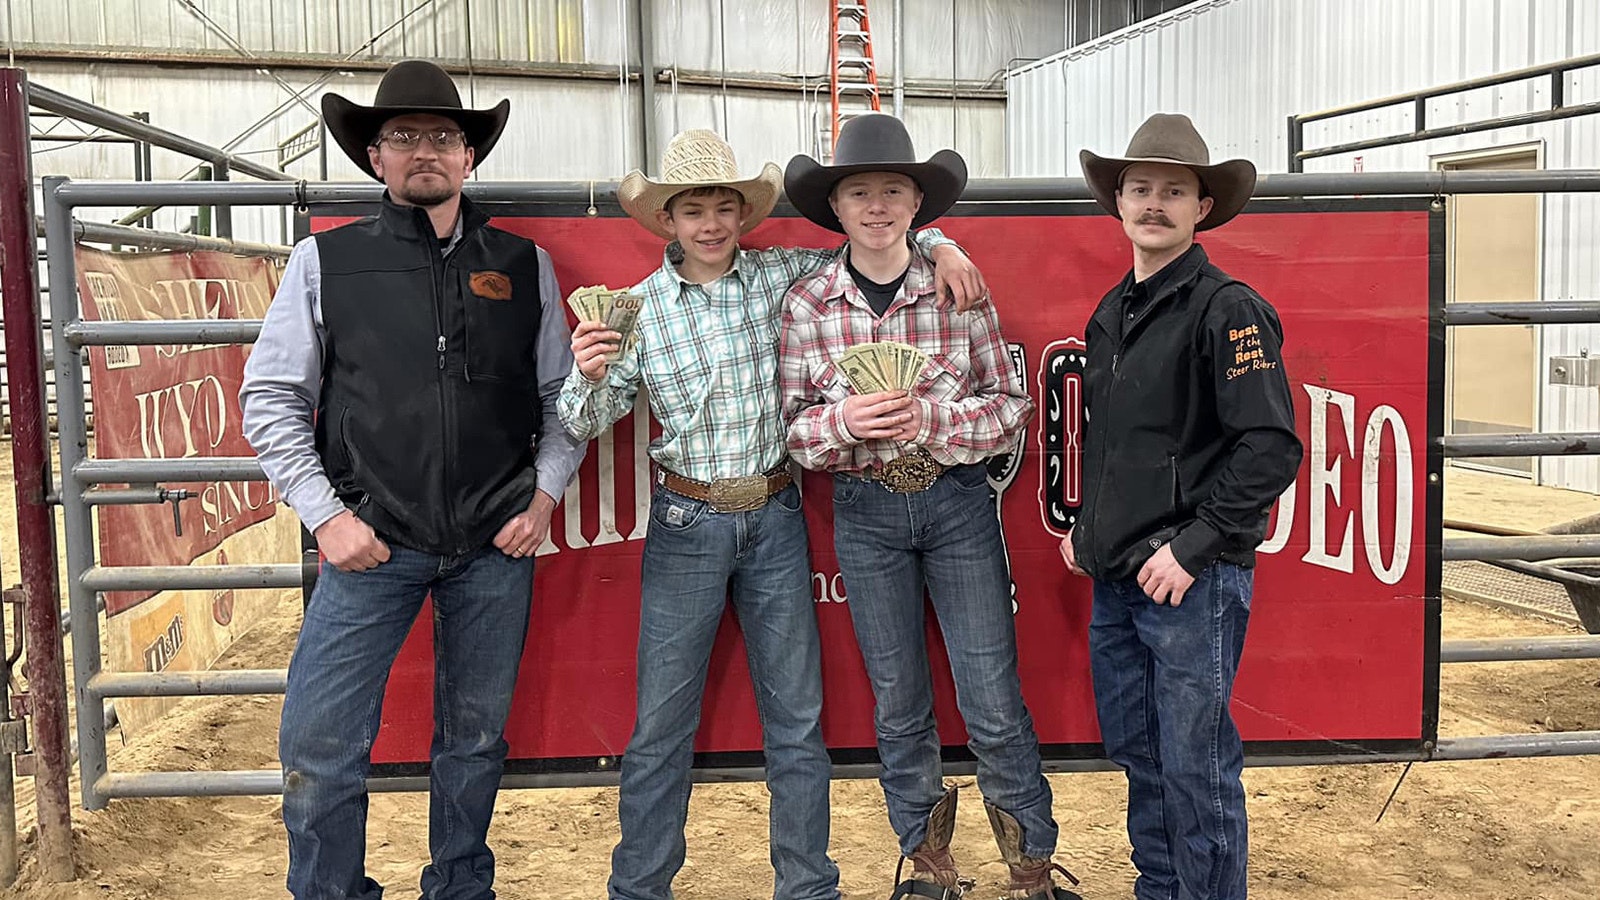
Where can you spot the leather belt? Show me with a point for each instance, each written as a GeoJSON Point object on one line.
{"type": "Point", "coordinates": [908, 473]}
{"type": "Point", "coordinates": [726, 495]}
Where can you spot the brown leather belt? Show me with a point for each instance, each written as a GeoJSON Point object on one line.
{"type": "Point", "coordinates": [726, 495]}
{"type": "Point", "coordinates": [908, 473]}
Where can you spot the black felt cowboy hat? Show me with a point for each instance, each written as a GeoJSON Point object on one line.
{"type": "Point", "coordinates": [412, 86]}
{"type": "Point", "coordinates": [875, 142]}
{"type": "Point", "coordinates": [1172, 139]}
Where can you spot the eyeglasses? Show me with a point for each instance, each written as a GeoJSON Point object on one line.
{"type": "Point", "coordinates": [403, 139]}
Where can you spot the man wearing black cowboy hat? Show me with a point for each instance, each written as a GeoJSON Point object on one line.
{"type": "Point", "coordinates": [912, 515]}
{"type": "Point", "coordinates": [1191, 438]}
{"type": "Point", "coordinates": [402, 398]}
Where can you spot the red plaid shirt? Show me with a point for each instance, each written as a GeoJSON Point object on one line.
{"type": "Point", "coordinates": [973, 404]}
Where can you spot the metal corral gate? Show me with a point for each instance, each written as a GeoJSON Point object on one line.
{"type": "Point", "coordinates": [82, 475]}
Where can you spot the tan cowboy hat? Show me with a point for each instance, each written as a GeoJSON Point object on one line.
{"type": "Point", "coordinates": [412, 86]}
{"type": "Point", "coordinates": [1172, 138]}
{"type": "Point", "coordinates": [694, 159]}
{"type": "Point", "coordinates": [875, 142]}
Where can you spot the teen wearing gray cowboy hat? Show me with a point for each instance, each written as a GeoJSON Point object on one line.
{"type": "Point", "coordinates": [415, 86]}
{"type": "Point", "coordinates": [875, 142]}
{"type": "Point", "coordinates": [1199, 442]}
{"type": "Point", "coordinates": [912, 516]}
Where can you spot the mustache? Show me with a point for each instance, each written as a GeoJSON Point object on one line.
{"type": "Point", "coordinates": [426, 170]}
{"type": "Point", "coordinates": [1154, 218]}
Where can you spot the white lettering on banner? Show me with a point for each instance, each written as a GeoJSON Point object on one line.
{"type": "Point", "coordinates": [201, 395]}
{"type": "Point", "coordinates": [1371, 458]}
{"type": "Point", "coordinates": [166, 646]}
{"type": "Point", "coordinates": [1279, 538]}
{"type": "Point", "coordinates": [1325, 479]}
{"type": "Point", "coordinates": [1327, 468]}
{"type": "Point", "coordinates": [107, 294]}
{"type": "Point", "coordinates": [197, 299]}
{"type": "Point", "coordinates": [826, 589]}
{"type": "Point", "coordinates": [221, 502]}
{"type": "Point", "coordinates": [605, 459]}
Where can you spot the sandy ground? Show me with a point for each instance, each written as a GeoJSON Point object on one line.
{"type": "Point", "coordinates": [1507, 830]}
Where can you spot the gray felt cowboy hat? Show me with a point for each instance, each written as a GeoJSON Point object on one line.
{"type": "Point", "coordinates": [1171, 138]}
{"type": "Point", "coordinates": [696, 158]}
{"type": "Point", "coordinates": [412, 86]}
{"type": "Point", "coordinates": [875, 142]}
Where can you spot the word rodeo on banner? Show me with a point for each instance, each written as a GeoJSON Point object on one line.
{"type": "Point", "coordinates": [178, 402]}
{"type": "Point", "coordinates": [1342, 648]}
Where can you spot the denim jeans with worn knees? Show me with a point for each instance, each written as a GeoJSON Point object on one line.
{"type": "Point", "coordinates": [694, 559]}
{"type": "Point", "coordinates": [353, 629]}
{"type": "Point", "coordinates": [943, 544]}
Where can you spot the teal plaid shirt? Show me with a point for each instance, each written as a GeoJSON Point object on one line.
{"type": "Point", "coordinates": [707, 356]}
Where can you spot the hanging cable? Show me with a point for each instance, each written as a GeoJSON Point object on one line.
{"type": "Point", "coordinates": [722, 40]}
{"type": "Point", "coordinates": [677, 47]}
{"type": "Point", "coordinates": [953, 34]}
{"type": "Point", "coordinates": [622, 80]}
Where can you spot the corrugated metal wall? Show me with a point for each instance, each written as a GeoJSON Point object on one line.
{"type": "Point", "coordinates": [561, 128]}
{"type": "Point", "coordinates": [1242, 67]}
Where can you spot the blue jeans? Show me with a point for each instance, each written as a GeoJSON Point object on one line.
{"type": "Point", "coordinates": [1163, 677]}
{"type": "Point", "coordinates": [693, 559]}
{"type": "Point", "coordinates": [353, 629]}
{"type": "Point", "coordinates": [943, 543]}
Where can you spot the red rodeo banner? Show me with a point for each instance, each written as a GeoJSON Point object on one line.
{"type": "Point", "coordinates": [1342, 648]}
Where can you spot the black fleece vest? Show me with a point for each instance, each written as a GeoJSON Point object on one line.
{"type": "Point", "coordinates": [430, 402]}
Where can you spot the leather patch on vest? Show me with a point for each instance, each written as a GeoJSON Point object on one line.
{"type": "Point", "coordinates": [491, 285]}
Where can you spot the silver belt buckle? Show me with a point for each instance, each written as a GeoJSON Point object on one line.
{"type": "Point", "coordinates": [910, 473]}
{"type": "Point", "coordinates": [744, 494]}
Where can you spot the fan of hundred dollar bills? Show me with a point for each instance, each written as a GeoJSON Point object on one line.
{"type": "Point", "coordinates": [883, 366]}
{"type": "Point", "coordinates": [619, 310]}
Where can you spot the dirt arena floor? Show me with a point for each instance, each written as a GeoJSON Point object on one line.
{"type": "Point", "coordinates": [1484, 830]}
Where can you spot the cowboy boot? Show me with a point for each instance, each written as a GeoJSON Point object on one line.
{"type": "Point", "coordinates": [933, 869]}
{"type": "Point", "coordinates": [1031, 877]}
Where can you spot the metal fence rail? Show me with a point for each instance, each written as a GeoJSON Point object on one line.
{"type": "Point", "coordinates": [83, 475]}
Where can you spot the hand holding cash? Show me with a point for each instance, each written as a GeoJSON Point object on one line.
{"type": "Point", "coordinates": [618, 311]}
{"type": "Point", "coordinates": [875, 369]}
{"type": "Point", "coordinates": [883, 366]}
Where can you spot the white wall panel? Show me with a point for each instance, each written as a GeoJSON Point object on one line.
{"type": "Point", "coordinates": [1240, 68]}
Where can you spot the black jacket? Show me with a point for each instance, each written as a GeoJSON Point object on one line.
{"type": "Point", "coordinates": [430, 403]}
{"type": "Point", "coordinates": [1190, 423]}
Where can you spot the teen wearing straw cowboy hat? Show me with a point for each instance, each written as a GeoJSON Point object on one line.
{"type": "Point", "coordinates": [368, 353]}
{"type": "Point", "coordinates": [1191, 440]}
{"type": "Point", "coordinates": [725, 518]}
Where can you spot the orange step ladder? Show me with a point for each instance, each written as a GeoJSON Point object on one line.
{"type": "Point", "coordinates": [852, 72]}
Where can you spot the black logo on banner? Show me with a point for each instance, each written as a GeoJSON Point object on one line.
{"type": "Point", "coordinates": [1003, 467]}
{"type": "Point", "coordinates": [1061, 422]}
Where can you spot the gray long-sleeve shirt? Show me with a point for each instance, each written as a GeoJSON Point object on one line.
{"type": "Point", "coordinates": [283, 382]}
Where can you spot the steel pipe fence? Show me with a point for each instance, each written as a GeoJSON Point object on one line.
{"type": "Point", "coordinates": [270, 781]}
{"type": "Point", "coordinates": [79, 491]}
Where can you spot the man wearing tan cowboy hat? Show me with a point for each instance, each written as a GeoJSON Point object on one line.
{"type": "Point", "coordinates": [725, 518]}
{"type": "Point", "coordinates": [912, 515]}
{"type": "Point", "coordinates": [1191, 440]}
{"type": "Point", "coordinates": [406, 366]}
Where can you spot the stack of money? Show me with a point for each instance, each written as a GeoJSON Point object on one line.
{"type": "Point", "coordinates": [883, 366]}
{"type": "Point", "coordinates": [619, 310]}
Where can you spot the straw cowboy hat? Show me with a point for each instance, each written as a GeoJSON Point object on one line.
{"type": "Point", "coordinates": [412, 86]}
{"type": "Point", "coordinates": [1171, 138]}
{"type": "Point", "coordinates": [875, 142]}
{"type": "Point", "coordinates": [696, 158]}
